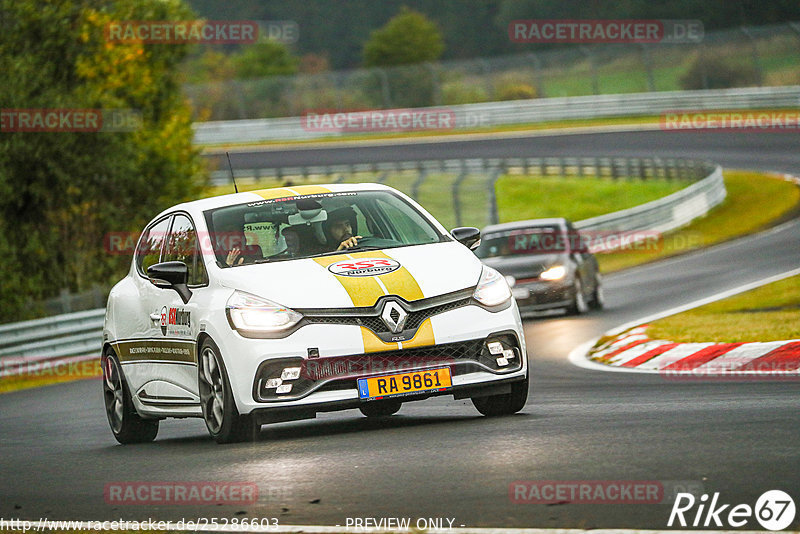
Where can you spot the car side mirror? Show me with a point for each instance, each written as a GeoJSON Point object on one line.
{"type": "Point", "coordinates": [467, 235]}
{"type": "Point", "coordinates": [171, 275]}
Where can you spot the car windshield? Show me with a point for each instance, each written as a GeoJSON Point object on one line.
{"type": "Point", "coordinates": [314, 225]}
{"type": "Point", "coordinates": [528, 241]}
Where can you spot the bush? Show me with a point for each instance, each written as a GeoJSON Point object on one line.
{"type": "Point", "coordinates": [519, 91]}
{"type": "Point", "coordinates": [709, 72]}
{"type": "Point", "coordinates": [460, 92]}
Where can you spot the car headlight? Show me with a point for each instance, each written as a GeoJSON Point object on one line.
{"type": "Point", "coordinates": [556, 272]}
{"type": "Point", "coordinates": [251, 315]}
{"type": "Point", "coordinates": [492, 288]}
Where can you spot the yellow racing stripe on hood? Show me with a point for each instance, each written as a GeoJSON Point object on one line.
{"type": "Point", "coordinates": [373, 343]}
{"type": "Point", "coordinates": [366, 290]}
{"type": "Point", "coordinates": [399, 282]}
{"type": "Point", "coordinates": [424, 336]}
{"type": "Point", "coordinates": [363, 290]}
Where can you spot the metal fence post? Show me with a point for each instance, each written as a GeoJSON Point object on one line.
{"type": "Point", "coordinates": [491, 183]}
{"type": "Point", "coordinates": [386, 92]}
{"type": "Point", "coordinates": [590, 56]}
{"type": "Point", "coordinates": [423, 174]}
{"type": "Point", "coordinates": [648, 66]}
{"type": "Point", "coordinates": [537, 73]}
{"type": "Point", "coordinates": [456, 195]}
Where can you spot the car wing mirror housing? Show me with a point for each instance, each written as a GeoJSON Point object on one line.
{"type": "Point", "coordinates": [468, 236]}
{"type": "Point", "coordinates": [171, 275]}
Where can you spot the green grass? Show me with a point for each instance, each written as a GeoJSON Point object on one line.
{"type": "Point", "coordinates": [754, 201]}
{"type": "Point", "coordinates": [769, 313]}
{"type": "Point", "coordinates": [532, 197]}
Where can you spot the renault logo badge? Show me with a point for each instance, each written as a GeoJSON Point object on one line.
{"type": "Point", "coordinates": [394, 316]}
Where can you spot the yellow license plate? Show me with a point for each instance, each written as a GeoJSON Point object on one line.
{"type": "Point", "coordinates": [402, 384]}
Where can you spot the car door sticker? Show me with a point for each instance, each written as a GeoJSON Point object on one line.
{"type": "Point", "coordinates": [156, 350]}
{"type": "Point", "coordinates": [176, 321]}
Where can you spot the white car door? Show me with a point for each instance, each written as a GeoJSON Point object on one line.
{"type": "Point", "coordinates": [173, 337]}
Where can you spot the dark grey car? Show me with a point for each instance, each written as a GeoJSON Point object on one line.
{"type": "Point", "coordinates": [546, 263]}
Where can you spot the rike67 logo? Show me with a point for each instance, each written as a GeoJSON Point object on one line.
{"type": "Point", "coordinates": [774, 510]}
{"type": "Point", "coordinates": [179, 319]}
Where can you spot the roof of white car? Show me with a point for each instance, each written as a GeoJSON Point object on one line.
{"type": "Point", "coordinates": [273, 193]}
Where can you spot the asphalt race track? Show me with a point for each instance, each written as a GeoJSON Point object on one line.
{"type": "Point", "coordinates": [440, 458]}
{"type": "Point", "coordinates": [770, 151]}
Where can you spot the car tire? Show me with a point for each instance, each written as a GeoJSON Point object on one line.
{"type": "Point", "coordinates": [579, 305]}
{"type": "Point", "coordinates": [223, 420]}
{"type": "Point", "coordinates": [380, 408]}
{"type": "Point", "coordinates": [598, 298]}
{"type": "Point", "coordinates": [126, 425]}
{"type": "Point", "coordinates": [506, 404]}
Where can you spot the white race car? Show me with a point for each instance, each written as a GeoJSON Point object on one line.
{"type": "Point", "coordinates": [277, 304]}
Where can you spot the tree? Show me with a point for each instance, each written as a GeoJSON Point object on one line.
{"type": "Point", "coordinates": [265, 58]}
{"type": "Point", "coordinates": [62, 193]}
{"type": "Point", "coordinates": [408, 38]}
{"type": "Point", "coordinates": [407, 43]}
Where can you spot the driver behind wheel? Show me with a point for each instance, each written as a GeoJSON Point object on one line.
{"type": "Point", "coordinates": [340, 229]}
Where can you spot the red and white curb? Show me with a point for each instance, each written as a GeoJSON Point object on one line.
{"type": "Point", "coordinates": [633, 349]}
{"type": "Point", "coordinates": [630, 349]}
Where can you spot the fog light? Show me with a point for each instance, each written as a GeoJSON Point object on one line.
{"type": "Point", "coordinates": [495, 348]}
{"type": "Point", "coordinates": [284, 388]}
{"type": "Point", "coordinates": [272, 383]}
{"type": "Point", "coordinates": [501, 362]}
{"type": "Point", "coordinates": [290, 373]}
{"type": "Point", "coordinates": [508, 354]}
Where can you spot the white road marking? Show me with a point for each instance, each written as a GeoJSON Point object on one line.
{"type": "Point", "coordinates": [702, 302]}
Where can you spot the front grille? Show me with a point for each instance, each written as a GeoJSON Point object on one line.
{"type": "Point", "coordinates": [372, 320]}
{"type": "Point", "coordinates": [340, 372]}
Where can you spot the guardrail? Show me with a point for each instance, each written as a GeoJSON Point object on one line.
{"type": "Point", "coordinates": [52, 338]}
{"type": "Point", "coordinates": [664, 214]}
{"type": "Point", "coordinates": [80, 334]}
{"type": "Point", "coordinates": [521, 112]}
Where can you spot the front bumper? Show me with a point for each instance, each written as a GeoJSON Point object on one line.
{"type": "Point", "coordinates": [543, 295]}
{"type": "Point", "coordinates": [246, 358]}
{"type": "Point", "coordinates": [465, 388]}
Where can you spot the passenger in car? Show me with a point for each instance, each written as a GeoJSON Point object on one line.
{"type": "Point", "coordinates": [238, 252]}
